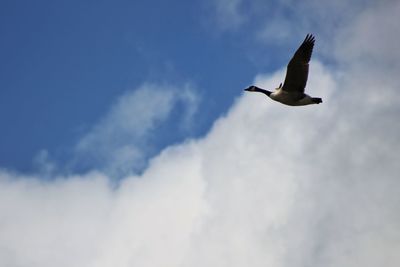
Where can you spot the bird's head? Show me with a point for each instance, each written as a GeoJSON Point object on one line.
{"type": "Point", "coordinates": [251, 88]}
{"type": "Point", "coordinates": [258, 89]}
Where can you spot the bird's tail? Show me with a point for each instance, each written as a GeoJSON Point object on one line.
{"type": "Point", "coordinates": [317, 100]}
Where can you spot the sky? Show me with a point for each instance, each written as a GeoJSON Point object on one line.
{"type": "Point", "coordinates": [127, 139]}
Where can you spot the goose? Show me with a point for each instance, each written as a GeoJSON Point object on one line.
{"type": "Point", "coordinates": [292, 91]}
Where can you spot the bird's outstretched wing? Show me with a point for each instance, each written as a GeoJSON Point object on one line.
{"type": "Point", "coordinates": [297, 69]}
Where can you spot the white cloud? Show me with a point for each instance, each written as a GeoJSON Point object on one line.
{"type": "Point", "coordinates": [119, 143]}
{"type": "Point", "coordinates": [82, 221]}
{"type": "Point", "coordinates": [374, 36]}
{"type": "Point", "coordinates": [269, 185]}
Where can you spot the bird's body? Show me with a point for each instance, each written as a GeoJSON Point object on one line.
{"type": "Point", "coordinates": [291, 99]}
{"type": "Point", "coordinates": [292, 91]}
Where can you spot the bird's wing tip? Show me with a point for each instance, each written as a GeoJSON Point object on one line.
{"type": "Point", "coordinates": [310, 37]}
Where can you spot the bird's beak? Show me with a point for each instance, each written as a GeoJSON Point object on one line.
{"type": "Point", "coordinates": [247, 89]}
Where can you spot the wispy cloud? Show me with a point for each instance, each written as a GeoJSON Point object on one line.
{"type": "Point", "coordinates": [228, 14]}
{"type": "Point", "coordinates": [372, 38]}
{"type": "Point", "coordinates": [119, 143]}
{"type": "Point", "coordinates": [284, 22]}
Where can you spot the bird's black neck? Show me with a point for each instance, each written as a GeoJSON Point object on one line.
{"type": "Point", "coordinates": [260, 90]}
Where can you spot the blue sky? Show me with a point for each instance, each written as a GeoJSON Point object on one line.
{"type": "Point", "coordinates": [64, 63]}
{"type": "Point", "coordinates": [127, 139]}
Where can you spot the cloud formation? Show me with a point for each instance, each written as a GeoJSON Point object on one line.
{"type": "Point", "coordinates": [269, 185]}
{"type": "Point", "coordinates": [121, 142]}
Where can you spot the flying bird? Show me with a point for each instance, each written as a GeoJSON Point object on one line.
{"type": "Point", "coordinates": [292, 91]}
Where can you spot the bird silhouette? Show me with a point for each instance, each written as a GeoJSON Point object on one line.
{"type": "Point", "coordinates": [292, 91]}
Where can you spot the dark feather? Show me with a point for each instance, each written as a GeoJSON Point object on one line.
{"type": "Point", "coordinates": [297, 69]}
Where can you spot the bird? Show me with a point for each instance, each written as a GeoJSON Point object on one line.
{"type": "Point", "coordinates": [292, 91]}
